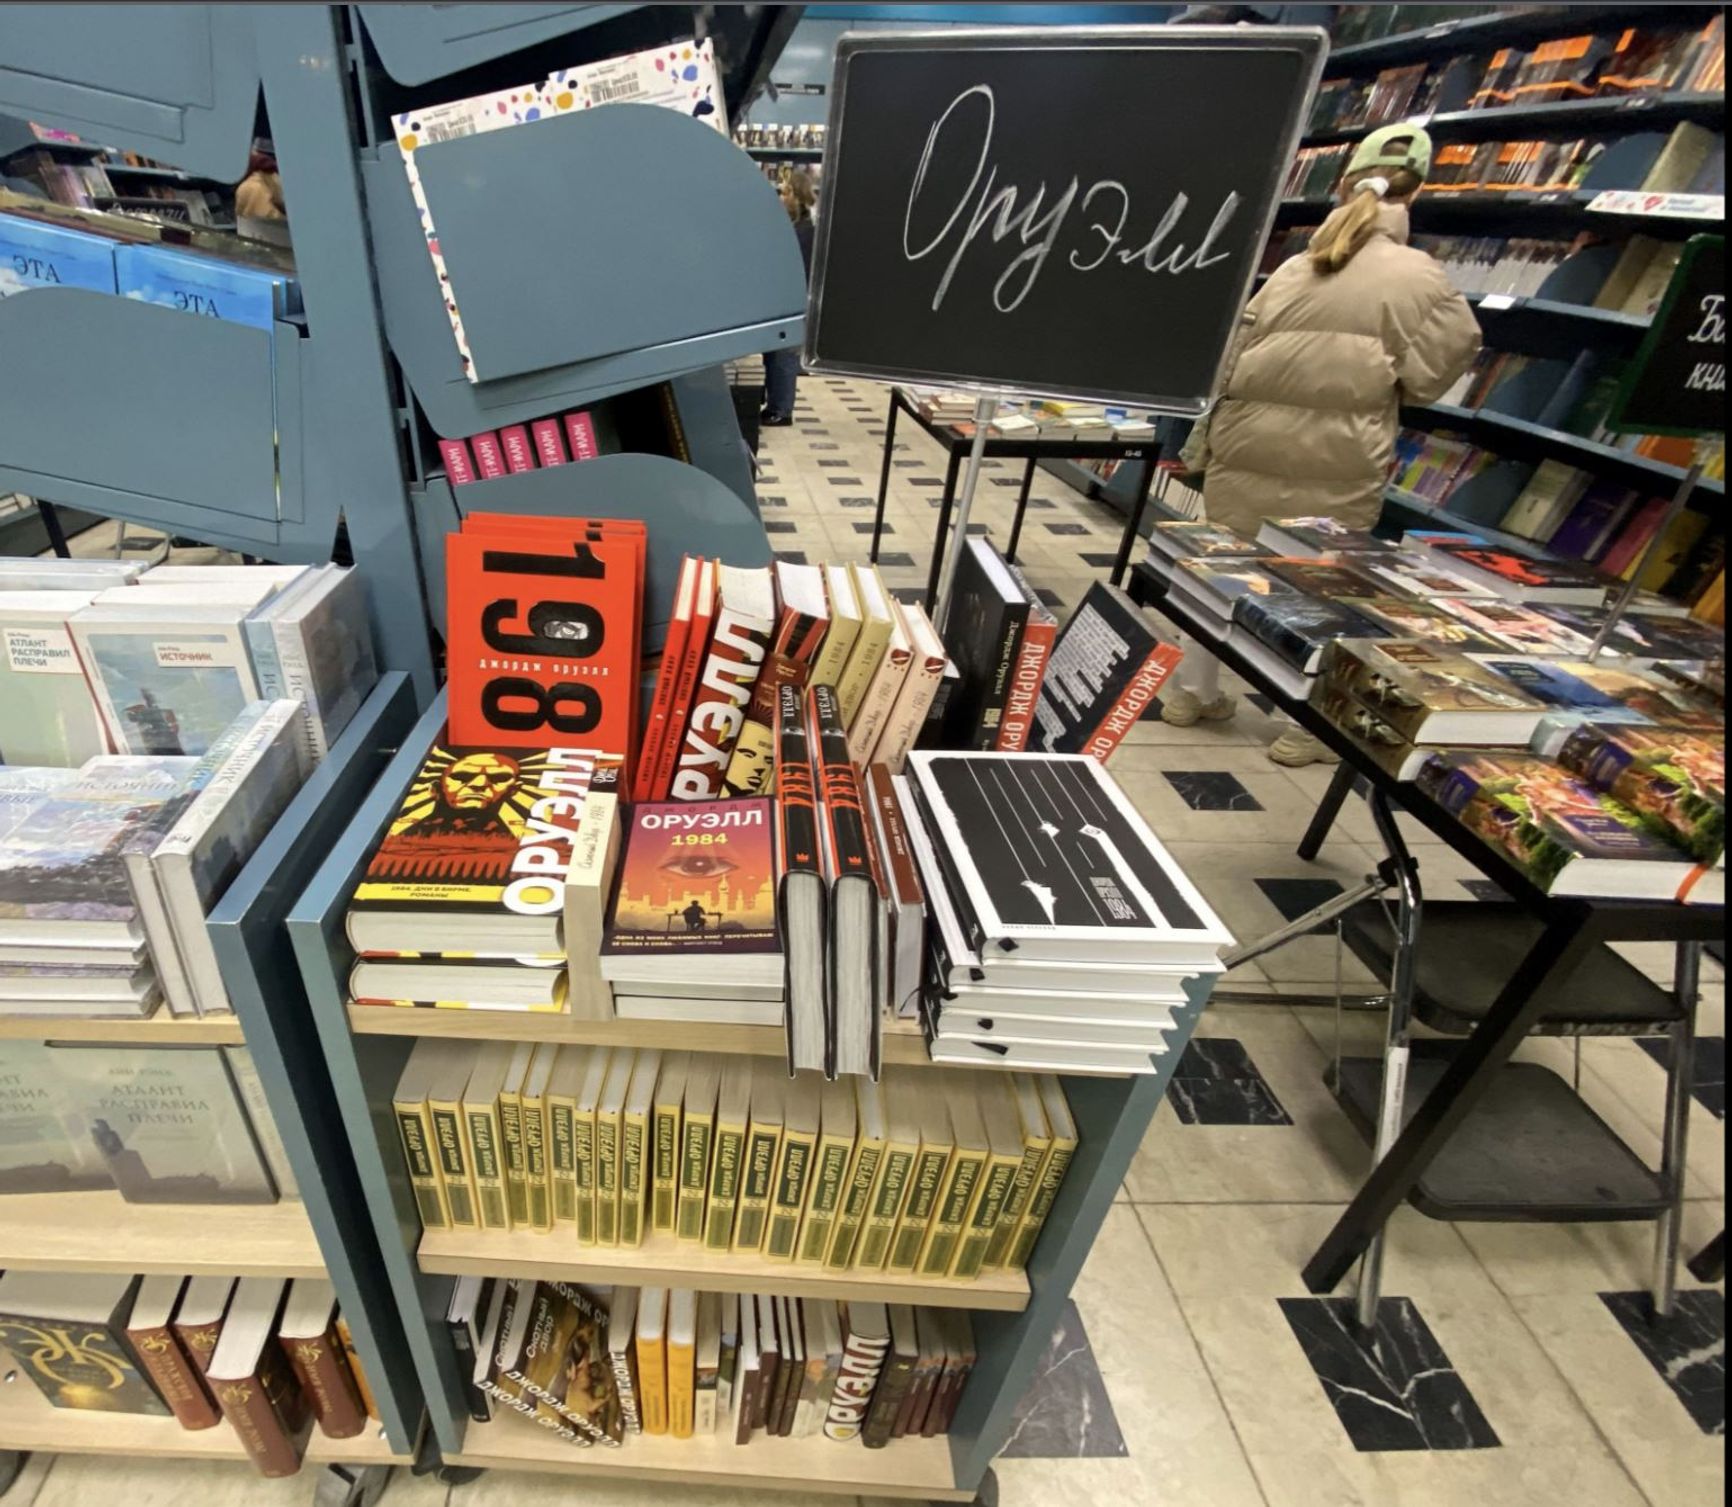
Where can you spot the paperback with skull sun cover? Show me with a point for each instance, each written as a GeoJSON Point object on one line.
{"type": "Point", "coordinates": [475, 858]}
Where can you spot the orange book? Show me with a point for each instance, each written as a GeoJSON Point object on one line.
{"type": "Point", "coordinates": [652, 1359]}
{"type": "Point", "coordinates": [542, 626]}
{"type": "Point", "coordinates": [697, 645]}
{"type": "Point", "coordinates": [667, 677]}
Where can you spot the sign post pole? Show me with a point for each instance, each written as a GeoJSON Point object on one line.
{"type": "Point", "coordinates": [1676, 506]}
{"type": "Point", "coordinates": [984, 408]}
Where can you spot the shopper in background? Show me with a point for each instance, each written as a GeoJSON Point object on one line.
{"type": "Point", "coordinates": [782, 366]}
{"type": "Point", "coordinates": [259, 195]}
{"type": "Point", "coordinates": [1338, 339]}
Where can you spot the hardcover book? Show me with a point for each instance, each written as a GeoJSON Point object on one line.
{"type": "Point", "coordinates": [1029, 672]}
{"type": "Point", "coordinates": [1597, 691]}
{"type": "Point", "coordinates": [693, 653]}
{"type": "Point", "coordinates": [745, 621]}
{"type": "Point", "coordinates": [1214, 585]}
{"type": "Point", "coordinates": [802, 895]}
{"type": "Point", "coordinates": [1524, 629]}
{"type": "Point", "coordinates": [919, 688]}
{"type": "Point", "coordinates": [43, 1144]}
{"type": "Point", "coordinates": [800, 626]}
{"type": "Point", "coordinates": [1414, 575]}
{"type": "Point", "coordinates": [66, 1333]}
{"type": "Point", "coordinates": [984, 628]}
{"type": "Point", "coordinates": [252, 1381]}
{"type": "Point", "coordinates": [150, 1333]}
{"type": "Point", "coordinates": [1194, 541]}
{"type": "Point", "coordinates": [50, 713]}
{"type": "Point", "coordinates": [1368, 730]}
{"type": "Point", "coordinates": [1429, 695]}
{"type": "Point", "coordinates": [667, 677]}
{"type": "Point", "coordinates": [1319, 536]}
{"type": "Point", "coordinates": [465, 865]}
{"type": "Point", "coordinates": [1520, 579]}
{"type": "Point", "coordinates": [308, 1335]}
{"type": "Point", "coordinates": [1642, 636]}
{"type": "Point", "coordinates": [1107, 666]}
{"type": "Point", "coordinates": [866, 1341]}
{"type": "Point", "coordinates": [1672, 778]}
{"type": "Point", "coordinates": [1409, 617]}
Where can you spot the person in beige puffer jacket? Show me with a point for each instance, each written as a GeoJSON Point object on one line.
{"type": "Point", "coordinates": [1336, 341]}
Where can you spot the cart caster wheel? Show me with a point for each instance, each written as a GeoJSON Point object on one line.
{"type": "Point", "coordinates": [459, 1475]}
{"type": "Point", "coordinates": [12, 1463]}
{"type": "Point", "coordinates": [986, 1494]}
{"type": "Point", "coordinates": [350, 1485]}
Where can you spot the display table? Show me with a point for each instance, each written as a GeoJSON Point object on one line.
{"type": "Point", "coordinates": [1030, 451]}
{"type": "Point", "coordinates": [1556, 941]}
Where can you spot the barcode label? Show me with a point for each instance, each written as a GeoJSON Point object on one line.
{"type": "Point", "coordinates": [449, 130]}
{"type": "Point", "coordinates": [605, 93]}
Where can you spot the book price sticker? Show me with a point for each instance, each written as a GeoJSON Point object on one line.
{"type": "Point", "coordinates": [1629, 201]}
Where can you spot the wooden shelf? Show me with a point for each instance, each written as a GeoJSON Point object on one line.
{"type": "Point", "coordinates": [101, 1232]}
{"type": "Point", "coordinates": [28, 1421]}
{"type": "Point", "coordinates": [662, 1261]}
{"type": "Point", "coordinates": [903, 1041]}
{"type": "Point", "coordinates": [160, 1029]}
{"type": "Point", "coordinates": [909, 1468]}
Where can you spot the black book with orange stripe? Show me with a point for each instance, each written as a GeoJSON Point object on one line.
{"type": "Point", "coordinates": [801, 895]}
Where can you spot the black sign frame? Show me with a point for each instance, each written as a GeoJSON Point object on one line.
{"type": "Point", "coordinates": [1312, 45]}
{"type": "Point", "coordinates": [1648, 390]}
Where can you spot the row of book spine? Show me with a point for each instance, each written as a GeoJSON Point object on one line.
{"type": "Point", "coordinates": [518, 447]}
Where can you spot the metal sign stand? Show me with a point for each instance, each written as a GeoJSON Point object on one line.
{"type": "Point", "coordinates": [1676, 506]}
{"type": "Point", "coordinates": [984, 408]}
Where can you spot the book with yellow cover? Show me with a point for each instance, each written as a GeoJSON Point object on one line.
{"type": "Point", "coordinates": [511, 1134]}
{"type": "Point", "coordinates": [563, 1087]}
{"type": "Point", "coordinates": [634, 1146]}
{"type": "Point", "coordinates": [415, 1130]}
{"type": "Point", "coordinates": [901, 1147]}
{"type": "Point", "coordinates": [588, 879]}
{"type": "Point", "coordinates": [758, 1165]}
{"type": "Point", "coordinates": [1003, 1157]}
{"type": "Point", "coordinates": [485, 1141]}
{"type": "Point", "coordinates": [652, 1359]}
{"type": "Point", "coordinates": [962, 1183]}
{"type": "Point", "coordinates": [876, 625]}
{"type": "Point", "coordinates": [665, 1140]}
{"type": "Point", "coordinates": [609, 1115]}
{"type": "Point", "coordinates": [583, 1140]}
{"type": "Point", "coordinates": [1036, 1148]}
{"type": "Point", "coordinates": [832, 657]}
{"type": "Point", "coordinates": [800, 1109]}
{"type": "Point", "coordinates": [697, 1135]}
{"type": "Point", "coordinates": [925, 1181]}
{"type": "Point", "coordinates": [532, 1119]}
{"type": "Point", "coordinates": [864, 1170]}
{"type": "Point", "coordinates": [1063, 1127]}
{"type": "Point", "coordinates": [829, 1170]}
{"type": "Point", "coordinates": [682, 1348]}
{"type": "Point", "coordinates": [445, 1106]}
{"type": "Point", "coordinates": [733, 1104]}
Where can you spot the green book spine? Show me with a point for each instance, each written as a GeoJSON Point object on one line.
{"type": "Point", "coordinates": [1029, 1232]}
{"type": "Point", "coordinates": [694, 1176]}
{"type": "Point", "coordinates": [665, 1179]}
{"type": "Point", "coordinates": [561, 1132]}
{"type": "Point", "coordinates": [1016, 1203]}
{"type": "Point", "coordinates": [534, 1126]}
{"type": "Point", "coordinates": [755, 1189]}
{"type": "Point", "coordinates": [489, 1175]}
{"type": "Point", "coordinates": [983, 1223]}
{"type": "Point", "coordinates": [631, 1169]}
{"type": "Point", "coordinates": [826, 1200]}
{"type": "Point", "coordinates": [926, 1179]}
{"type": "Point", "coordinates": [583, 1154]}
{"type": "Point", "coordinates": [724, 1191]}
{"type": "Point", "coordinates": [607, 1179]}
{"type": "Point", "coordinates": [448, 1135]}
{"type": "Point", "coordinates": [886, 1205]}
{"type": "Point", "coordinates": [853, 1211]}
{"type": "Point", "coordinates": [516, 1181]}
{"type": "Point", "coordinates": [789, 1201]}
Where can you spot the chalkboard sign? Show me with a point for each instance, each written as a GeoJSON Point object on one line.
{"type": "Point", "coordinates": [1067, 212]}
{"type": "Point", "coordinates": [1677, 383]}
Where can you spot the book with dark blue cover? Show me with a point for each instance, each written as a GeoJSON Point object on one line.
{"type": "Point", "coordinates": [1597, 512]}
{"type": "Point", "coordinates": [1299, 628]}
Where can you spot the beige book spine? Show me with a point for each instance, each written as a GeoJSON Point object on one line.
{"type": "Point", "coordinates": [633, 1146]}
{"type": "Point", "coordinates": [533, 1122]}
{"type": "Point", "coordinates": [888, 1199]}
{"type": "Point", "coordinates": [583, 1158]}
{"type": "Point", "coordinates": [962, 1188]}
{"type": "Point", "coordinates": [757, 1183]}
{"type": "Point", "coordinates": [454, 1174]}
{"type": "Point", "coordinates": [829, 1179]}
{"type": "Point", "coordinates": [788, 1195]}
{"type": "Point", "coordinates": [1052, 1175]}
{"type": "Point", "coordinates": [487, 1159]}
{"type": "Point", "coordinates": [607, 1138]}
{"type": "Point", "coordinates": [925, 1182]}
{"type": "Point", "coordinates": [516, 1174]}
{"type": "Point", "coordinates": [415, 1129]}
{"type": "Point", "coordinates": [971, 1246]}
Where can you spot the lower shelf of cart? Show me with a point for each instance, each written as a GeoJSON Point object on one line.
{"type": "Point", "coordinates": [100, 1232]}
{"type": "Point", "coordinates": [912, 1468]}
{"type": "Point", "coordinates": [1530, 1150]}
{"type": "Point", "coordinates": [29, 1422]}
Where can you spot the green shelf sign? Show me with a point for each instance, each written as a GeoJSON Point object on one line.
{"type": "Point", "coordinates": [1677, 383]}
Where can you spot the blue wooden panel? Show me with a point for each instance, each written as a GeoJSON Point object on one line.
{"type": "Point", "coordinates": [687, 510]}
{"type": "Point", "coordinates": [364, 1072]}
{"type": "Point", "coordinates": [157, 406]}
{"type": "Point", "coordinates": [712, 431]}
{"type": "Point", "coordinates": [418, 43]}
{"type": "Point", "coordinates": [179, 83]}
{"type": "Point", "coordinates": [258, 968]}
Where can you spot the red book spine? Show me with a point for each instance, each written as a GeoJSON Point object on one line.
{"type": "Point", "coordinates": [1025, 682]}
{"type": "Point", "coordinates": [325, 1380]}
{"type": "Point", "coordinates": [580, 431]}
{"type": "Point", "coordinates": [176, 1377]}
{"type": "Point", "coordinates": [667, 679]}
{"type": "Point", "coordinates": [489, 458]}
{"type": "Point", "coordinates": [548, 445]}
{"type": "Point", "coordinates": [697, 646]}
{"type": "Point", "coordinates": [514, 441]}
{"type": "Point", "coordinates": [459, 469]}
{"type": "Point", "coordinates": [737, 649]}
{"type": "Point", "coordinates": [1138, 693]}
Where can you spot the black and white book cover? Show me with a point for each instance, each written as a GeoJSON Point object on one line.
{"type": "Point", "coordinates": [981, 634]}
{"type": "Point", "coordinates": [1051, 860]}
{"type": "Point", "coordinates": [1098, 657]}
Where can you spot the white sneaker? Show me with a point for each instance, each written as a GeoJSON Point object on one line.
{"type": "Point", "coordinates": [1182, 708]}
{"type": "Point", "coordinates": [1296, 748]}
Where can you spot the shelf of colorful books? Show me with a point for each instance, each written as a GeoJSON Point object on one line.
{"type": "Point", "coordinates": [663, 1261]}
{"type": "Point", "coordinates": [905, 1468]}
{"type": "Point", "coordinates": [1504, 26]}
{"type": "Point", "coordinates": [160, 1029]}
{"type": "Point", "coordinates": [1641, 112]}
{"type": "Point", "coordinates": [1440, 515]}
{"type": "Point", "coordinates": [99, 1231]}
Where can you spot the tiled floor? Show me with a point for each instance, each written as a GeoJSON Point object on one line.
{"type": "Point", "coordinates": [1511, 1364]}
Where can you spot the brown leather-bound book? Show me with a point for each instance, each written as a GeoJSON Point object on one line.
{"type": "Point", "coordinates": [894, 1381]}
{"type": "Point", "coordinates": [308, 1335]}
{"type": "Point", "coordinates": [198, 1322]}
{"type": "Point", "coordinates": [160, 1353]}
{"type": "Point", "coordinates": [356, 1370]}
{"type": "Point", "coordinates": [252, 1382]}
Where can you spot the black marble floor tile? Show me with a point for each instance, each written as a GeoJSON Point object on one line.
{"type": "Point", "coordinates": [1709, 1079]}
{"type": "Point", "coordinates": [1066, 528]}
{"type": "Point", "coordinates": [1216, 1083]}
{"type": "Point", "coordinates": [865, 526]}
{"type": "Point", "coordinates": [895, 559]}
{"type": "Point", "coordinates": [1049, 596]}
{"type": "Point", "coordinates": [856, 502]}
{"type": "Point", "coordinates": [907, 464]}
{"type": "Point", "coordinates": [833, 465]}
{"type": "Point", "coordinates": [1006, 481]}
{"type": "Point", "coordinates": [1293, 897]}
{"type": "Point", "coordinates": [791, 556]}
{"type": "Point", "coordinates": [1688, 1348]}
{"type": "Point", "coordinates": [1211, 790]}
{"type": "Point", "coordinates": [1041, 505]}
{"type": "Point", "coordinates": [1261, 702]}
{"type": "Point", "coordinates": [1393, 1389]}
{"type": "Point", "coordinates": [980, 528]}
{"type": "Point", "coordinates": [1484, 889]}
{"type": "Point", "coordinates": [844, 481]}
{"type": "Point", "coordinates": [778, 526]}
{"type": "Point", "coordinates": [772, 502]}
{"type": "Point", "coordinates": [1066, 1413]}
{"type": "Point", "coordinates": [1098, 561]}
{"type": "Point", "coordinates": [925, 481]}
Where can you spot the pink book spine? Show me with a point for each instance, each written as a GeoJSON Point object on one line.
{"type": "Point", "coordinates": [458, 467]}
{"type": "Point", "coordinates": [489, 458]}
{"type": "Point", "coordinates": [514, 440]}
{"type": "Point", "coordinates": [548, 445]}
{"type": "Point", "coordinates": [581, 432]}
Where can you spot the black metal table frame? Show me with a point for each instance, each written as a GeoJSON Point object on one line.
{"type": "Point", "coordinates": [1031, 451]}
{"type": "Point", "coordinates": [1571, 928]}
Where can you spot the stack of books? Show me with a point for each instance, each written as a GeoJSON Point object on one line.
{"type": "Point", "coordinates": [182, 1125]}
{"type": "Point", "coordinates": [1063, 931]}
{"type": "Point", "coordinates": [268, 1357]}
{"type": "Point", "coordinates": [928, 1172]}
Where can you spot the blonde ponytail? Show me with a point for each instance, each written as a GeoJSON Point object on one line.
{"type": "Point", "coordinates": [1341, 237]}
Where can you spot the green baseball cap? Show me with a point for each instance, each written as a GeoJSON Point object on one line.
{"type": "Point", "coordinates": [1399, 145]}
